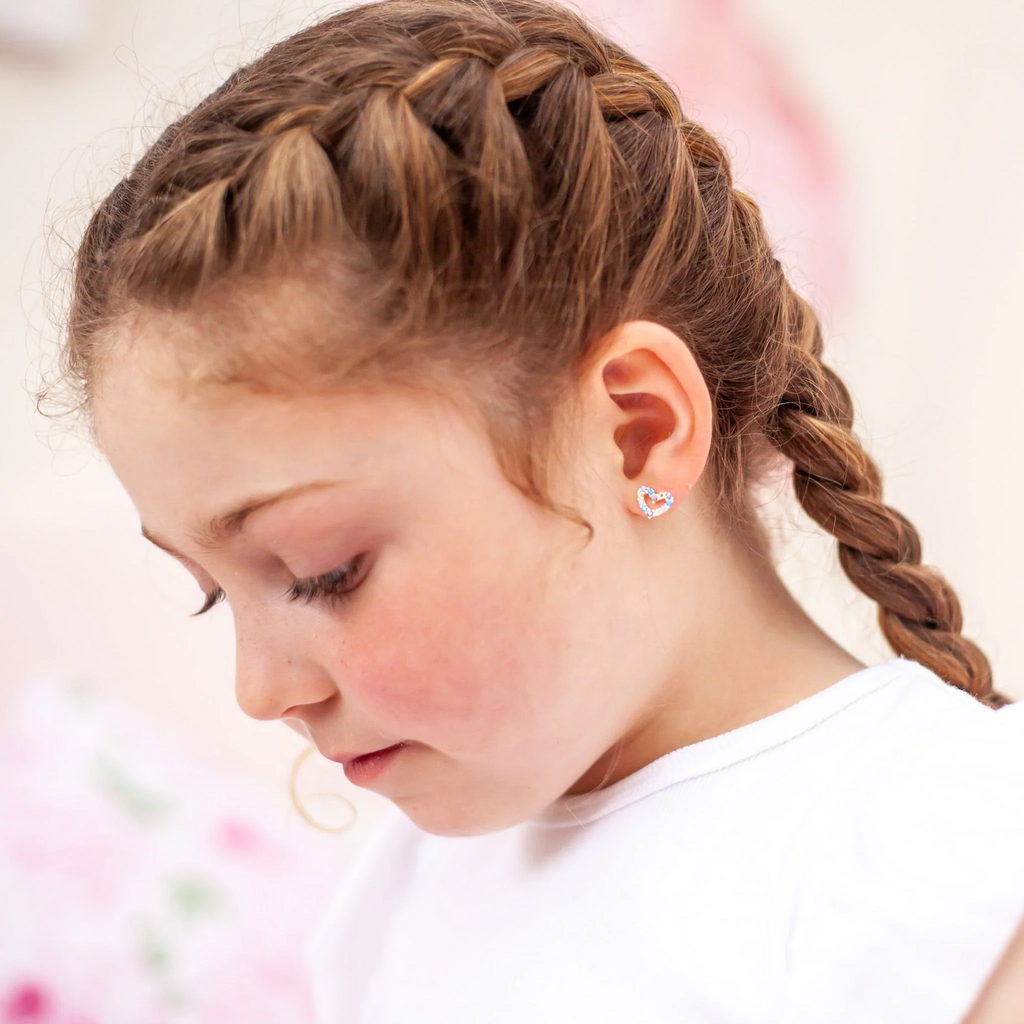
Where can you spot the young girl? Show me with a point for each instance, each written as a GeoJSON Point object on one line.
{"type": "Point", "coordinates": [439, 343]}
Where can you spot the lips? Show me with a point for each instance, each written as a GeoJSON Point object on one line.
{"type": "Point", "coordinates": [347, 759]}
{"type": "Point", "coordinates": [361, 769]}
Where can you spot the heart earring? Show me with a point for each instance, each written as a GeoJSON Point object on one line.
{"type": "Point", "coordinates": [649, 494]}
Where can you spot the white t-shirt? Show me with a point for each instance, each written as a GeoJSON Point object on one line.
{"type": "Point", "coordinates": [857, 857]}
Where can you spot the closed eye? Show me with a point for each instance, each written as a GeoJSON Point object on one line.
{"type": "Point", "coordinates": [334, 586]}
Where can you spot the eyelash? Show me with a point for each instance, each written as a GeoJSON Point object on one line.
{"type": "Point", "coordinates": [334, 586]}
{"type": "Point", "coordinates": [212, 598]}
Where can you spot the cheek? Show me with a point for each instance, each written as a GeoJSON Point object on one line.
{"type": "Point", "coordinates": [473, 661]}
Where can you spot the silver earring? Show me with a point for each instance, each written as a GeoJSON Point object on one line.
{"type": "Point", "coordinates": [646, 496]}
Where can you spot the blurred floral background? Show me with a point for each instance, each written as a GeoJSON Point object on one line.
{"type": "Point", "coordinates": [151, 866]}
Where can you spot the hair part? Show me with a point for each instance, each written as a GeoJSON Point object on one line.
{"type": "Point", "coordinates": [491, 186]}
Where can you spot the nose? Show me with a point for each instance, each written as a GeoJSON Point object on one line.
{"type": "Point", "coordinates": [274, 674]}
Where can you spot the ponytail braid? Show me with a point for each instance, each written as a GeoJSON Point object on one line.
{"type": "Point", "coordinates": [839, 486]}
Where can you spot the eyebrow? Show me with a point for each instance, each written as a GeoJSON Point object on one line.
{"type": "Point", "coordinates": [222, 527]}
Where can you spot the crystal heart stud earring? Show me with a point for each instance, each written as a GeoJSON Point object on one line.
{"type": "Point", "coordinates": [648, 496]}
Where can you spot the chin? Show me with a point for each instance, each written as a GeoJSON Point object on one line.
{"type": "Point", "coordinates": [453, 818]}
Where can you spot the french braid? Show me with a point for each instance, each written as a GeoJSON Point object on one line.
{"type": "Point", "coordinates": [504, 185]}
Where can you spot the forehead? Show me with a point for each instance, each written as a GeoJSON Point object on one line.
{"type": "Point", "coordinates": [186, 451]}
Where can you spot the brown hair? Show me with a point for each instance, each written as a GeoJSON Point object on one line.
{"type": "Point", "coordinates": [501, 186]}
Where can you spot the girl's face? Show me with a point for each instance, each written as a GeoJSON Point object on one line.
{"type": "Point", "coordinates": [390, 586]}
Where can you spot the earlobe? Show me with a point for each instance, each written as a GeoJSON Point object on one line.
{"type": "Point", "coordinates": [656, 409]}
{"type": "Point", "coordinates": [655, 503]}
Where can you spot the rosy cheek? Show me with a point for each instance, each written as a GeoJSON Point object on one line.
{"type": "Point", "coordinates": [446, 670]}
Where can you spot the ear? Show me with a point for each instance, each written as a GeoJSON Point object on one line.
{"type": "Point", "coordinates": [647, 411]}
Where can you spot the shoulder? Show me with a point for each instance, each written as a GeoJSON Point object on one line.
{"type": "Point", "coordinates": [940, 745]}
{"type": "Point", "coordinates": [915, 868]}
{"type": "Point", "coordinates": [928, 734]}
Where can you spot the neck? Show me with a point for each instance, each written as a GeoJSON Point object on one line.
{"type": "Point", "coordinates": [748, 651]}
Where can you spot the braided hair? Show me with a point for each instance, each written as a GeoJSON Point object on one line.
{"type": "Point", "coordinates": [492, 186]}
